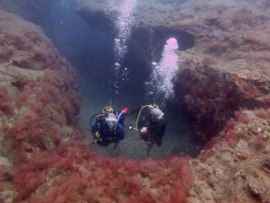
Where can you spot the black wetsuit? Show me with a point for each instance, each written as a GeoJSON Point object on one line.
{"type": "Point", "coordinates": [155, 129]}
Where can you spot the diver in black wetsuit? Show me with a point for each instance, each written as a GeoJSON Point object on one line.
{"type": "Point", "coordinates": [151, 125]}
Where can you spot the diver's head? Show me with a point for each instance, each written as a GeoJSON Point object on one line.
{"type": "Point", "coordinates": [156, 114]}
{"type": "Point", "coordinates": [107, 110]}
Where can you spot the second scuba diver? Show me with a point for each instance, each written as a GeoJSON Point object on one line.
{"type": "Point", "coordinates": [151, 125]}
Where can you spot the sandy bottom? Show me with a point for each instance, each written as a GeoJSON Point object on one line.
{"type": "Point", "coordinates": [176, 140]}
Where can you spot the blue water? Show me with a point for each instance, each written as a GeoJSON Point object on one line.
{"type": "Point", "coordinates": [90, 52]}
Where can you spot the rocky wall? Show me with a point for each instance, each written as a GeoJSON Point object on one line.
{"type": "Point", "coordinates": [43, 157]}
{"type": "Point", "coordinates": [39, 101]}
{"type": "Point", "coordinates": [222, 84]}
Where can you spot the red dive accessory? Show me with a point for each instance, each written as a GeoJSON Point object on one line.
{"type": "Point", "coordinates": [125, 110]}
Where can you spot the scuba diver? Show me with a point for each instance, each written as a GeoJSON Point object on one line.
{"type": "Point", "coordinates": [109, 127]}
{"type": "Point", "coordinates": [151, 125]}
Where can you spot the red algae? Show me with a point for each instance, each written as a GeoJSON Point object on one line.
{"type": "Point", "coordinates": [121, 180]}
{"type": "Point", "coordinates": [6, 106]}
{"type": "Point", "coordinates": [41, 163]}
{"type": "Point", "coordinates": [49, 164]}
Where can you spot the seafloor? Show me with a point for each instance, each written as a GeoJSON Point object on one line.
{"type": "Point", "coordinates": [222, 83]}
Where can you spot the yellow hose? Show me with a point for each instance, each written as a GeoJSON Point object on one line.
{"type": "Point", "coordinates": [139, 114]}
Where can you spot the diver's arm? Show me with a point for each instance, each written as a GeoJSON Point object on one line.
{"type": "Point", "coordinates": [120, 134]}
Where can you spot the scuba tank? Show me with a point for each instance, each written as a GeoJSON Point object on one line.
{"type": "Point", "coordinates": [111, 119]}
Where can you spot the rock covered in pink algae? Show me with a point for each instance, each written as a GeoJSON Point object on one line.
{"type": "Point", "coordinates": [42, 159]}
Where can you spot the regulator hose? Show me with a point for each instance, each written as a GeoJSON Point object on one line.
{"type": "Point", "coordinates": [139, 114]}
{"type": "Point", "coordinates": [95, 115]}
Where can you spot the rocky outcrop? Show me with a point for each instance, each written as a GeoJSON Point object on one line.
{"type": "Point", "coordinates": [234, 167]}
{"type": "Point", "coordinates": [222, 84]}
{"type": "Point", "coordinates": [38, 94]}
{"type": "Point", "coordinates": [151, 36]}
{"type": "Point", "coordinates": [225, 65]}
{"type": "Point", "coordinates": [211, 90]}
{"type": "Point", "coordinates": [43, 157]}
{"type": "Point", "coordinates": [33, 78]}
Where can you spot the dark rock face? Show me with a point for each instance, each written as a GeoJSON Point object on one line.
{"type": "Point", "coordinates": [212, 82]}
{"type": "Point", "coordinates": [42, 155]}
{"type": "Point", "coordinates": [222, 84]}
{"type": "Point", "coordinates": [210, 98]}
{"type": "Point", "coordinates": [146, 41]}
{"type": "Point", "coordinates": [97, 19]}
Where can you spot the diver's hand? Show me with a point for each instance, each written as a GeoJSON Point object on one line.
{"type": "Point", "coordinates": [144, 130]}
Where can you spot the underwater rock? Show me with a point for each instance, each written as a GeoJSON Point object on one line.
{"type": "Point", "coordinates": [227, 171]}
{"type": "Point", "coordinates": [42, 155]}
{"type": "Point", "coordinates": [38, 97]}
{"type": "Point", "coordinates": [223, 85]}
{"type": "Point", "coordinates": [147, 39]}
{"type": "Point", "coordinates": [212, 93]}
{"type": "Point", "coordinates": [225, 70]}
{"type": "Point", "coordinates": [266, 166]}
{"type": "Point", "coordinates": [224, 59]}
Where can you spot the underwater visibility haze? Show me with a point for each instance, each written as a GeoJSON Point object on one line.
{"type": "Point", "coordinates": [189, 87]}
